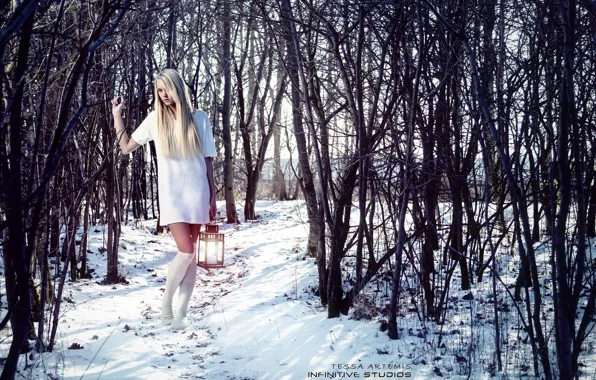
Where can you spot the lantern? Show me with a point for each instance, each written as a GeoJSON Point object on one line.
{"type": "Point", "coordinates": [211, 247]}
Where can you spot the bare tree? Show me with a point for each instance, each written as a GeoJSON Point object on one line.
{"type": "Point", "coordinates": [231, 214]}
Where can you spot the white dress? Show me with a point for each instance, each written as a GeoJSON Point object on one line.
{"type": "Point", "coordinates": [182, 182]}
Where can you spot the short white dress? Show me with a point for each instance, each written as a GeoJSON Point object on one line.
{"type": "Point", "coordinates": [182, 182]}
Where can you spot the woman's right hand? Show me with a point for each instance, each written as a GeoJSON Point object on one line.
{"type": "Point", "coordinates": [117, 104]}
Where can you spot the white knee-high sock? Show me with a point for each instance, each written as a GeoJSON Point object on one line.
{"type": "Point", "coordinates": [176, 273]}
{"type": "Point", "coordinates": [186, 288]}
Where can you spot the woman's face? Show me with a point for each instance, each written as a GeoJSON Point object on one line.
{"type": "Point", "coordinates": [163, 94]}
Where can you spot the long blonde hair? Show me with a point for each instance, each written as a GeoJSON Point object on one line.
{"type": "Point", "coordinates": [176, 137]}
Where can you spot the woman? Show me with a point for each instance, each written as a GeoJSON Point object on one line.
{"type": "Point", "coordinates": [185, 147]}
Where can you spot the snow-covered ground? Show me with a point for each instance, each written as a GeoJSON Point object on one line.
{"type": "Point", "coordinates": [258, 318]}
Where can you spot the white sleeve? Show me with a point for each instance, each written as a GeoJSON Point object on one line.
{"type": "Point", "coordinates": [206, 134]}
{"type": "Point", "coordinates": [142, 134]}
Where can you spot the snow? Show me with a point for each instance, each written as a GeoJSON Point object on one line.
{"type": "Point", "coordinates": [258, 317]}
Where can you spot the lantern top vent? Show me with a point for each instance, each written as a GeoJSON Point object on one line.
{"type": "Point", "coordinates": [211, 228]}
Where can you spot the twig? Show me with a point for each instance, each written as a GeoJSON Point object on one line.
{"type": "Point", "coordinates": [275, 320]}
{"type": "Point", "coordinates": [296, 280]}
{"type": "Point", "coordinates": [224, 317]}
{"type": "Point", "coordinates": [102, 368]}
{"type": "Point", "coordinates": [100, 347]}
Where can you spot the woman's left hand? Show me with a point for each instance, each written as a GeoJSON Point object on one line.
{"type": "Point", "coordinates": [212, 208]}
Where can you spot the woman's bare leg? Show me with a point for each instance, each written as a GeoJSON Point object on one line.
{"type": "Point", "coordinates": [177, 269]}
{"type": "Point", "coordinates": [188, 282]}
{"type": "Point", "coordinates": [182, 236]}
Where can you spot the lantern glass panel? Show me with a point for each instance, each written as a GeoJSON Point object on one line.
{"type": "Point", "coordinates": [213, 252]}
{"type": "Point", "coordinates": [202, 251]}
{"type": "Point", "coordinates": [211, 246]}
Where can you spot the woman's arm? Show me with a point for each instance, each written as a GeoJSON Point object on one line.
{"type": "Point", "coordinates": [126, 145]}
{"type": "Point", "coordinates": [211, 181]}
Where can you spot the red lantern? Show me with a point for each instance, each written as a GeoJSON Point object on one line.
{"type": "Point", "coordinates": [211, 247]}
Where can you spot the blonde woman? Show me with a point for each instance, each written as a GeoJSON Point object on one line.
{"type": "Point", "coordinates": [185, 147]}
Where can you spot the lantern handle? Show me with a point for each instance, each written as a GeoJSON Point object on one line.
{"type": "Point", "coordinates": [211, 227]}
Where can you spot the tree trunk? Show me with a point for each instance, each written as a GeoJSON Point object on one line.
{"type": "Point", "coordinates": [84, 239]}
{"type": "Point", "coordinates": [231, 214]}
{"type": "Point", "coordinates": [292, 49]}
{"type": "Point", "coordinates": [16, 266]}
{"type": "Point", "coordinates": [279, 182]}
{"type": "Point", "coordinates": [591, 229]}
{"type": "Point", "coordinates": [171, 40]}
{"type": "Point", "coordinates": [565, 313]}
{"type": "Point", "coordinates": [112, 275]}
{"type": "Point", "coordinates": [406, 186]}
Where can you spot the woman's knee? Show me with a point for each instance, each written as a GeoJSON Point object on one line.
{"type": "Point", "coordinates": [185, 246]}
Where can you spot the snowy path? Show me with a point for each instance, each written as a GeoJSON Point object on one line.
{"type": "Point", "coordinates": [118, 326]}
{"type": "Point", "coordinates": [257, 318]}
